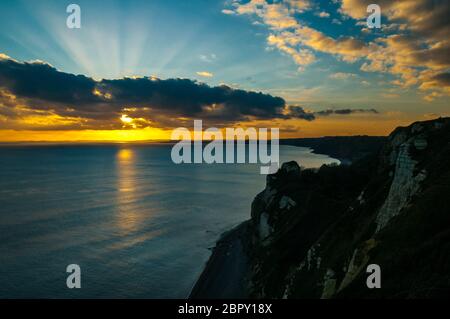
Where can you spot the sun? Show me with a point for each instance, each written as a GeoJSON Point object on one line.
{"type": "Point", "coordinates": [126, 119]}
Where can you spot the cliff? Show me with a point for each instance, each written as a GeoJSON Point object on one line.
{"type": "Point", "coordinates": [312, 233]}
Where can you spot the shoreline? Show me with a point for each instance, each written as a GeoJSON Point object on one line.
{"type": "Point", "coordinates": [228, 259]}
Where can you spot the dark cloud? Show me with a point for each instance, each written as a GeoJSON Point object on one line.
{"type": "Point", "coordinates": [150, 101]}
{"type": "Point", "coordinates": [425, 17]}
{"type": "Point", "coordinates": [44, 82]}
{"type": "Point", "coordinates": [300, 113]}
{"type": "Point", "coordinates": [430, 17]}
{"type": "Point", "coordinates": [345, 111]}
{"type": "Point", "coordinates": [45, 88]}
{"type": "Point", "coordinates": [190, 98]}
{"type": "Point", "coordinates": [443, 78]}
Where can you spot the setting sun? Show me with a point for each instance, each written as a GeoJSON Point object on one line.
{"type": "Point", "coordinates": [126, 119]}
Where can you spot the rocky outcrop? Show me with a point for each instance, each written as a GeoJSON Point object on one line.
{"type": "Point", "coordinates": [313, 233]}
{"type": "Point", "coordinates": [404, 185]}
{"type": "Point", "coordinates": [347, 217]}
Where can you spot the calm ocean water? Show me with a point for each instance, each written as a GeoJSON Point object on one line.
{"type": "Point", "coordinates": [138, 225]}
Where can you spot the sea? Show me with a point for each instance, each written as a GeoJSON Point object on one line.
{"type": "Point", "coordinates": [137, 225]}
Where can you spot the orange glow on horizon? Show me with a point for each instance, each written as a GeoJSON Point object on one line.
{"type": "Point", "coordinates": [325, 126]}
{"type": "Point", "coordinates": [85, 135]}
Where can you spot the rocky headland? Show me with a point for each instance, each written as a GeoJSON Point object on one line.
{"type": "Point", "coordinates": [312, 232]}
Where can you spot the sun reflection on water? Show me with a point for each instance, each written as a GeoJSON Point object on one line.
{"type": "Point", "coordinates": [128, 219]}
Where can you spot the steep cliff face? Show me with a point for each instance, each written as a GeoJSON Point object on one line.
{"type": "Point", "coordinates": [313, 232]}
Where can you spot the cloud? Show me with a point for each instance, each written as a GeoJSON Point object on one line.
{"type": "Point", "coordinates": [4, 57]}
{"type": "Point", "coordinates": [345, 112]}
{"type": "Point", "coordinates": [205, 74]}
{"type": "Point", "coordinates": [342, 76]}
{"type": "Point", "coordinates": [39, 88]}
{"type": "Point", "coordinates": [323, 14]}
{"type": "Point", "coordinates": [301, 57]}
{"type": "Point", "coordinates": [227, 11]}
{"type": "Point", "coordinates": [38, 96]}
{"type": "Point", "coordinates": [298, 112]}
{"type": "Point", "coordinates": [419, 50]}
{"type": "Point", "coordinates": [429, 18]}
{"type": "Point", "coordinates": [437, 83]}
{"type": "Point", "coordinates": [301, 113]}
{"type": "Point", "coordinates": [443, 78]}
{"type": "Point", "coordinates": [415, 42]}
{"type": "Point", "coordinates": [44, 81]}
{"type": "Point", "coordinates": [295, 39]}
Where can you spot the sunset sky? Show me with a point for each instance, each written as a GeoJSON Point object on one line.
{"type": "Point", "coordinates": [137, 69]}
